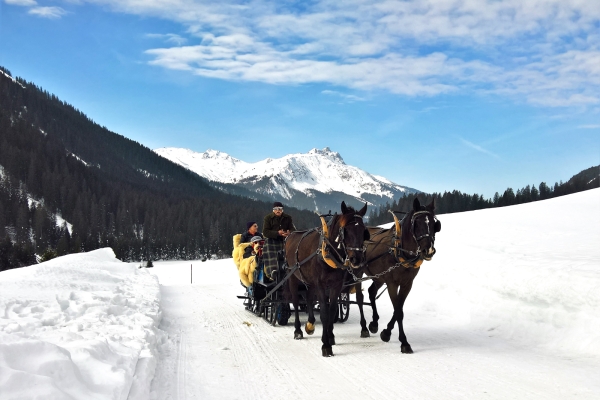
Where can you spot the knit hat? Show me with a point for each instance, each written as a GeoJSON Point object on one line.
{"type": "Point", "coordinates": [277, 204]}
{"type": "Point", "coordinates": [256, 239]}
{"type": "Point", "coordinates": [249, 224]}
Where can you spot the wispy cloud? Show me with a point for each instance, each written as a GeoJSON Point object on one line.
{"type": "Point", "coordinates": [347, 97]}
{"type": "Point", "coordinates": [39, 11]}
{"type": "Point", "coordinates": [545, 52]}
{"type": "Point", "coordinates": [168, 37]}
{"type": "Point", "coordinates": [47, 12]}
{"type": "Point", "coordinates": [478, 148]}
{"type": "Point", "coordinates": [23, 3]}
{"type": "Point", "coordinates": [592, 126]}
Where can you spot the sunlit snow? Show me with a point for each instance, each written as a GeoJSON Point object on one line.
{"type": "Point", "coordinates": [509, 307]}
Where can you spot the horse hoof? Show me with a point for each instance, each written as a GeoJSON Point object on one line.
{"type": "Point", "coordinates": [298, 335]}
{"type": "Point", "coordinates": [309, 328]}
{"type": "Point", "coordinates": [373, 327]}
{"type": "Point", "coordinates": [364, 333]}
{"type": "Point", "coordinates": [406, 349]}
{"type": "Point", "coordinates": [327, 352]}
{"type": "Point", "coordinates": [385, 335]}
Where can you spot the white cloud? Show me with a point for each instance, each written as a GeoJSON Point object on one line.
{"type": "Point", "coordinates": [540, 51]}
{"type": "Point", "coordinates": [47, 12]}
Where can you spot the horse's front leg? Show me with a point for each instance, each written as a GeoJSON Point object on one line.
{"type": "Point", "coordinates": [324, 314]}
{"type": "Point", "coordinates": [399, 315]}
{"type": "Point", "coordinates": [293, 288]}
{"type": "Point", "coordinates": [386, 334]}
{"type": "Point", "coordinates": [374, 325]}
{"type": "Point", "coordinates": [309, 328]}
{"type": "Point", "coordinates": [364, 333]}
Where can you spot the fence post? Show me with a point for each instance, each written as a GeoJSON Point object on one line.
{"type": "Point", "coordinates": [191, 280]}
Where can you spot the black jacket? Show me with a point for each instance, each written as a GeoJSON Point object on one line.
{"type": "Point", "coordinates": [272, 224]}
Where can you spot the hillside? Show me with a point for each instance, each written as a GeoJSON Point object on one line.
{"type": "Point", "coordinates": [115, 192]}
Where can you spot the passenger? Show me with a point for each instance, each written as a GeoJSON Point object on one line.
{"type": "Point", "coordinates": [276, 227]}
{"type": "Point", "coordinates": [251, 232]}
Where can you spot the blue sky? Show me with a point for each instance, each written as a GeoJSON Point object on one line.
{"type": "Point", "coordinates": [437, 95]}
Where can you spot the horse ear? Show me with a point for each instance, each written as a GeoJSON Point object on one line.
{"type": "Point", "coordinates": [438, 226]}
{"type": "Point", "coordinates": [367, 235]}
{"type": "Point", "coordinates": [363, 211]}
{"type": "Point", "coordinates": [416, 204]}
{"type": "Point", "coordinates": [344, 208]}
{"type": "Point", "coordinates": [431, 205]}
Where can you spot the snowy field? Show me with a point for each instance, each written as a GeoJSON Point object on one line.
{"type": "Point", "coordinates": [508, 308]}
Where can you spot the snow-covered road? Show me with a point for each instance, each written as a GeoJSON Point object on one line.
{"type": "Point", "coordinates": [513, 319]}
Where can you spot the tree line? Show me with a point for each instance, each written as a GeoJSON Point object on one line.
{"type": "Point", "coordinates": [456, 201]}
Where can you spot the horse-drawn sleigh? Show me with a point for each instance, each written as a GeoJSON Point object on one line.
{"type": "Point", "coordinates": [322, 265]}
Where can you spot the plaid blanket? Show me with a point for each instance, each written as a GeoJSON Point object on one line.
{"type": "Point", "coordinates": [272, 247]}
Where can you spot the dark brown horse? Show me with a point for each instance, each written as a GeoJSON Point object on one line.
{"type": "Point", "coordinates": [319, 258]}
{"type": "Point", "coordinates": [395, 261]}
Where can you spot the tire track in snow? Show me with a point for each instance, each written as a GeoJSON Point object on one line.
{"type": "Point", "coordinates": [181, 368]}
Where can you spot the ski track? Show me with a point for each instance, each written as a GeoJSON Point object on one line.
{"type": "Point", "coordinates": [181, 367]}
{"type": "Point", "coordinates": [226, 352]}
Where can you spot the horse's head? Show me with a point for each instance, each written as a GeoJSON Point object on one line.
{"type": "Point", "coordinates": [419, 228]}
{"type": "Point", "coordinates": [351, 234]}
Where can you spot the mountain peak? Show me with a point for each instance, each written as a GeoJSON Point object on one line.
{"type": "Point", "coordinates": [333, 155]}
{"type": "Point", "coordinates": [313, 180]}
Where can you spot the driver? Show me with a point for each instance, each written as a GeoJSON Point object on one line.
{"type": "Point", "coordinates": [276, 227]}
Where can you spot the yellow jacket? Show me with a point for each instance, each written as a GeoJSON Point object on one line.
{"type": "Point", "coordinates": [245, 266]}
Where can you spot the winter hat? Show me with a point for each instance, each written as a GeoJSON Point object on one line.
{"type": "Point", "coordinates": [256, 239]}
{"type": "Point", "coordinates": [277, 204]}
{"type": "Point", "coordinates": [249, 224]}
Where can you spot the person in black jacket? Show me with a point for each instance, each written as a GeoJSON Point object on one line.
{"type": "Point", "coordinates": [276, 227]}
{"type": "Point", "coordinates": [251, 231]}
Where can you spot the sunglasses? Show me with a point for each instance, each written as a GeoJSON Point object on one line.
{"type": "Point", "coordinates": [277, 208]}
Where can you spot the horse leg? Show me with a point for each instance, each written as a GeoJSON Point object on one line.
{"type": "Point", "coordinates": [399, 314]}
{"type": "Point", "coordinates": [374, 326]}
{"type": "Point", "coordinates": [309, 328]}
{"type": "Point", "coordinates": [333, 310]}
{"type": "Point", "coordinates": [324, 316]}
{"type": "Point", "coordinates": [364, 333]}
{"type": "Point", "coordinates": [293, 287]}
{"type": "Point", "coordinates": [387, 332]}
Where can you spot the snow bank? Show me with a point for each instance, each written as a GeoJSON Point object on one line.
{"type": "Point", "coordinates": [81, 326]}
{"type": "Point", "coordinates": [528, 273]}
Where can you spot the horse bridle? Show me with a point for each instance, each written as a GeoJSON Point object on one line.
{"type": "Point", "coordinates": [342, 245]}
{"type": "Point", "coordinates": [418, 253]}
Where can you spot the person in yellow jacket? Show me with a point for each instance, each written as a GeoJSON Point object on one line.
{"type": "Point", "coordinates": [247, 262]}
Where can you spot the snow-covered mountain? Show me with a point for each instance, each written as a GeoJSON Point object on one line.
{"type": "Point", "coordinates": [317, 180]}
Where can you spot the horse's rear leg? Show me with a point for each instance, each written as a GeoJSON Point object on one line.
{"type": "Point", "coordinates": [374, 326]}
